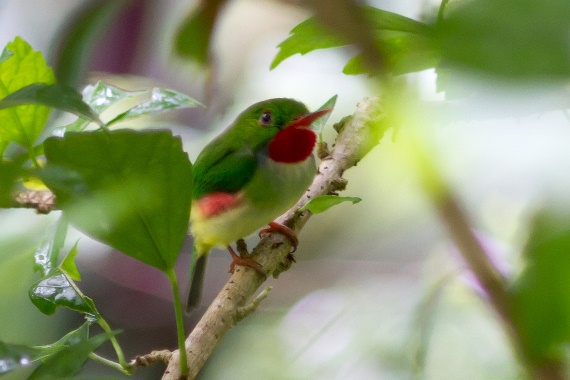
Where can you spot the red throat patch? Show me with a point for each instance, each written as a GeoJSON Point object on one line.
{"type": "Point", "coordinates": [292, 145]}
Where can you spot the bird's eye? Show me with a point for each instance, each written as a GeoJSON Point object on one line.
{"type": "Point", "coordinates": [266, 118]}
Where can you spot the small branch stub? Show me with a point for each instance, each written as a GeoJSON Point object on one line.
{"type": "Point", "coordinates": [154, 357]}
{"type": "Point", "coordinates": [43, 201]}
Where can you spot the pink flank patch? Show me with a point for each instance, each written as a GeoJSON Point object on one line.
{"type": "Point", "coordinates": [292, 145]}
{"type": "Point", "coordinates": [216, 203]}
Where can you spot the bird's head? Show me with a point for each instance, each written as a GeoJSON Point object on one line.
{"type": "Point", "coordinates": [283, 126]}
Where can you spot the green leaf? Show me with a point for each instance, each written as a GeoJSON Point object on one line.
{"type": "Point", "coordinates": [46, 255]}
{"type": "Point", "coordinates": [405, 53]}
{"type": "Point", "coordinates": [69, 360]}
{"type": "Point", "coordinates": [99, 97]}
{"type": "Point", "coordinates": [55, 95]}
{"type": "Point", "coordinates": [541, 293]}
{"type": "Point", "coordinates": [77, 39]}
{"type": "Point", "coordinates": [512, 39]}
{"type": "Point", "coordinates": [69, 339]}
{"type": "Point", "coordinates": [68, 265]}
{"type": "Point", "coordinates": [324, 202]}
{"type": "Point", "coordinates": [56, 287]}
{"type": "Point", "coordinates": [25, 66]}
{"type": "Point", "coordinates": [193, 37]}
{"type": "Point", "coordinates": [311, 35]}
{"type": "Point", "coordinates": [6, 53]}
{"type": "Point", "coordinates": [58, 290]}
{"type": "Point", "coordinates": [10, 171]}
{"type": "Point", "coordinates": [128, 189]}
{"type": "Point", "coordinates": [318, 125]}
{"type": "Point", "coordinates": [162, 100]}
{"type": "Point", "coordinates": [16, 356]}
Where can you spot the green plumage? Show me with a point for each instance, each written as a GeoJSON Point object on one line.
{"type": "Point", "coordinates": [229, 161]}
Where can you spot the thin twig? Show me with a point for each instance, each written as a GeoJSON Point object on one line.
{"type": "Point", "coordinates": [252, 306]}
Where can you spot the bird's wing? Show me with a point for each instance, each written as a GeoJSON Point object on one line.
{"type": "Point", "coordinates": [223, 169]}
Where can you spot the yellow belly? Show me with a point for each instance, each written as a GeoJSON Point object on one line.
{"type": "Point", "coordinates": [275, 188]}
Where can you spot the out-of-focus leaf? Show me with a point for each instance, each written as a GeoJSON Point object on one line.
{"type": "Point", "coordinates": [57, 290]}
{"type": "Point", "coordinates": [54, 95]}
{"type": "Point", "coordinates": [424, 320]}
{"type": "Point", "coordinates": [162, 100]}
{"type": "Point", "coordinates": [24, 66]}
{"type": "Point", "coordinates": [405, 53]}
{"type": "Point", "coordinates": [46, 255]}
{"type": "Point", "coordinates": [513, 39]}
{"type": "Point", "coordinates": [80, 35]}
{"type": "Point", "coordinates": [69, 339]}
{"type": "Point", "coordinates": [318, 125]}
{"type": "Point", "coordinates": [542, 299]}
{"type": "Point", "coordinates": [6, 53]}
{"type": "Point", "coordinates": [68, 265]}
{"type": "Point", "coordinates": [69, 360]}
{"type": "Point", "coordinates": [99, 97]}
{"type": "Point", "coordinates": [311, 35]}
{"type": "Point", "coordinates": [128, 189]}
{"type": "Point", "coordinates": [16, 356]}
{"type": "Point", "coordinates": [324, 202]}
{"type": "Point", "coordinates": [193, 37]}
{"type": "Point", "coordinates": [10, 171]}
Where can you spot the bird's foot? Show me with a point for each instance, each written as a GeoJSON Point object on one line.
{"type": "Point", "coordinates": [283, 229]}
{"type": "Point", "coordinates": [244, 261]}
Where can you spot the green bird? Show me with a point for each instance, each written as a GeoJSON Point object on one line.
{"type": "Point", "coordinates": [250, 174]}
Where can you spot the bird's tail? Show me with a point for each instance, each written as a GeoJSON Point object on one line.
{"type": "Point", "coordinates": [197, 271]}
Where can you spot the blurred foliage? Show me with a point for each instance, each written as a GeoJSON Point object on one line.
{"type": "Point", "coordinates": [80, 36]}
{"type": "Point", "coordinates": [401, 39]}
{"type": "Point", "coordinates": [470, 35]}
{"type": "Point", "coordinates": [193, 38]}
{"type": "Point", "coordinates": [525, 39]}
{"type": "Point", "coordinates": [541, 297]}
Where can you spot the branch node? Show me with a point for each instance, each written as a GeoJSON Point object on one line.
{"type": "Point", "coordinates": [41, 200]}
{"type": "Point", "coordinates": [323, 150]}
{"type": "Point", "coordinates": [162, 356]}
{"type": "Point", "coordinates": [246, 310]}
{"type": "Point", "coordinates": [340, 125]}
{"type": "Point", "coordinates": [338, 184]}
{"type": "Point", "coordinates": [241, 247]}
